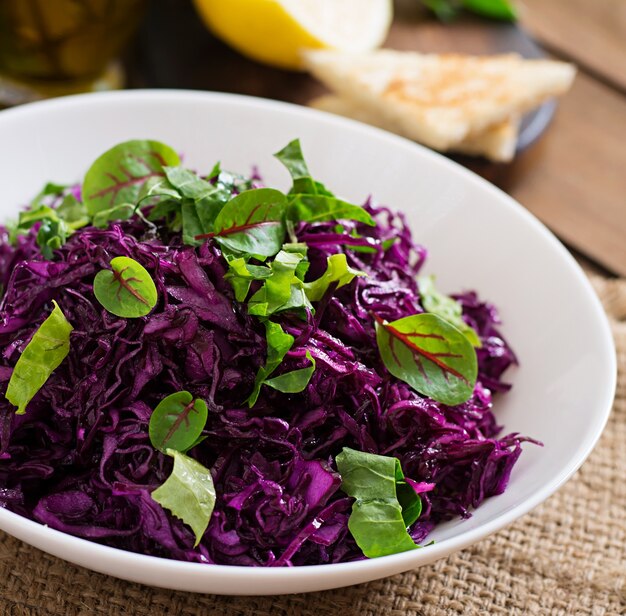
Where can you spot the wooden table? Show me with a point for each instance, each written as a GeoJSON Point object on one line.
{"type": "Point", "coordinates": [573, 178]}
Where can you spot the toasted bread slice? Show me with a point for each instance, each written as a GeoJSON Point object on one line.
{"type": "Point", "coordinates": [497, 142]}
{"type": "Point", "coordinates": [440, 100]}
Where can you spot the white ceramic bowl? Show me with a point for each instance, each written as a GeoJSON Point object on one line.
{"type": "Point", "coordinates": [477, 236]}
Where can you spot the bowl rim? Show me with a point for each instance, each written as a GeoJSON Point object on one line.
{"type": "Point", "coordinates": [103, 556]}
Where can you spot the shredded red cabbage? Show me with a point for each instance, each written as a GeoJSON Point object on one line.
{"type": "Point", "coordinates": [80, 460]}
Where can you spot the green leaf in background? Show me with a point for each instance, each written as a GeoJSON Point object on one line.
{"type": "Point", "coordinates": [177, 422]}
{"type": "Point", "coordinates": [321, 208]}
{"type": "Point", "coordinates": [503, 10]}
{"type": "Point", "coordinates": [429, 354]}
{"type": "Point", "coordinates": [282, 290]}
{"type": "Point", "coordinates": [379, 518]}
{"type": "Point", "coordinates": [447, 308]}
{"type": "Point", "coordinates": [295, 381]}
{"type": "Point", "coordinates": [338, 273]}
{"type": "Point", "coordinates": [188, 493]}
{"type": "Point", "coordinates": [44, 353]}
{"type": "Point", "coordinates": [252, 223]}
{"type": "Point", "coordinates": [118, 175]}
{"type": "Point", "coordinates": [278, 344]}
{"type": "Point", "coordinates": [447, 10]}
{"type": "Point", "coordinates": [126, 290]}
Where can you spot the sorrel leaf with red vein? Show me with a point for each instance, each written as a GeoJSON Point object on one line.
{"type": "Point", "coordinates": [429, 354]}
{"type": "Point", "coordinates": [177, 422]}
{"type": "Point", "coordinates": [252, 223]}
{"type": "Point", "coordinates": [126, 290]}
{"type": "Point", "coordinates": [118, 175]}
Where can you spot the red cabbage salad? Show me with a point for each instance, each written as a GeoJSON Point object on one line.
{"type": "Point", "coordinates": [202, 368]}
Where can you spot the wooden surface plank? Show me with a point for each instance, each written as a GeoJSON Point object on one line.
{"type": "Point", "coordinates": [591, 32]}
{"type": "Point", "coordinates": [574, 180]}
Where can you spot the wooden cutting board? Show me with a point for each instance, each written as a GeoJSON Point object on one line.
{"type": "Point", "coordinates": [571, 168]}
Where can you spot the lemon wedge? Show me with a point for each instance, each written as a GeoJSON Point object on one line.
{"type": "Point", "coordinates": [275, 31]}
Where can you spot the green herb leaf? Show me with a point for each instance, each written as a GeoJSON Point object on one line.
{"type": "Point", "coordinates": [49, 190]}
{"type": "Point", "coordinates": [52, 234]}
{"type": "Point", "coordinates": [384, 245]}
{"type": "Point", "coordinates": [126, 290]}
{"type": "Point", "coordinates": [177, 422]}
{"type": "Point", "coordinates": [192, 226]}
{"type": "Point", "coordinates": [57, 224]}
{"type": "Point", "coordinates": [278, 344]}
{"type": "Point", "coordinates": [445, 307]}
{"type": "Point", "coordinates": [188, 493]}
{"type": "Point", "coordinates": [429, 354]}
{"type": "Point", "coordinates": [215, 172]}
{"type": "Point", "coordinates": [320, 208]}
{"type": "Point", "coordinates": [117, 175]}
{"type": "Point", "coordinates": [383, 508]}
{"type": "Point", "coordinates": [295, 381]}
{"type": "Point", "coordinates": [188, 183]}
{"type": "Point", "coordinates": [282, 290]}
{"type": "Point", "coordinates": [241, 274]}
{"type": "Point", "coordinates": [252, 223]}
{"type": "Point", "coordinates": [338, 272]}
{"type": "Point", "coordinates": [291, 156]}
{"type": "Point", "coordinates": [44, 353]}
{"type": "Point", "coordinates": [156, 188]}
{"type": "Point", "coordinates": [123, 211]}
{"type": "Point", "coordinates": [29, 217]}
{"type": "Point", "coordinates": [169, 209]}
{"type": "Point", "coordinates": [73, 212]}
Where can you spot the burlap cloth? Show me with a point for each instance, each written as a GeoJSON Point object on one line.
{"type": "Point", "coordinates": [566, 557]}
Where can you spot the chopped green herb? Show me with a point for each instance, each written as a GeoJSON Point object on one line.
{"type": "Point", "coordinates": [278, 344]}
{"type": "Point", "coordinates": [311, 201]}
{"type": "Point", "coordinates": [188, 493]}
{"type": "Point", "coordinates": [44, 353]}
{"type": "Point", "coordinates": [49, 190]}
{"type": "Point", "coordinates": [126, 290]}
{"type": "Point", "coordinates": [241, 275]}
{"type": "Point", "coordinates": [73, 212]}
{"type": "Point", "coordinates": [291, 156]}
{"type": "Point", "coordinates": [447, 308]}
{"type": "Point", "coordinates": [282, 290]}
{"type": "Point", "coordinates": [123, 211]}
{"type": "Point", "coordinates": [337, 273]}
{"type": "Point", "coordinates": [295, 381]}
{"type": "Point", "coordinates": [320, 208]}
{"type": "Point", "coordinates": [188, 183]}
